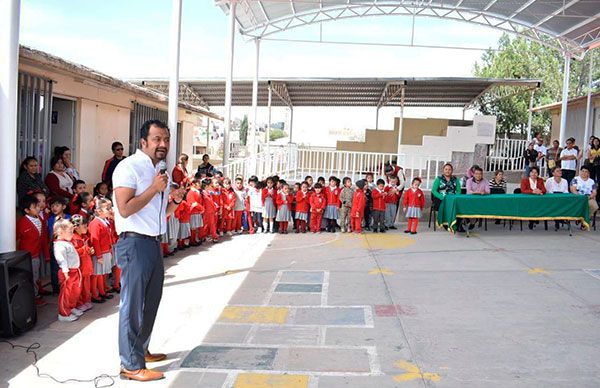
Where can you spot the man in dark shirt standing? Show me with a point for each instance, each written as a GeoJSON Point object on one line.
{"type": "Point", "coordinates": [111, 164]}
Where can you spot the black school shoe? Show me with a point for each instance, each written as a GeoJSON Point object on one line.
{"type": "Point", "coordinates": [98, 301]}
{"type": "Point", "coordinates": [393, 227]}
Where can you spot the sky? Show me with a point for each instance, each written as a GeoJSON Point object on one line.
{"type": "Point", "coordinates": [130, 39]}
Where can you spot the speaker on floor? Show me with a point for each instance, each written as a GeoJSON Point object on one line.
{"type": "Point", "coordinates": [17, 296]}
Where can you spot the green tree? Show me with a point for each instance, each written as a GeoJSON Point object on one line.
{"type": "Point", "coordinates": [518, 57]}
{"type": "Point", "coordinates": [244, 130]}
{"type": "Point", "coordinates": [276, 134]}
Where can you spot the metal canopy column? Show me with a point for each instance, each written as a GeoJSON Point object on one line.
{"type": "Point", "coordinates": [9, 69]}
{"type": "Point", "coordinates": [268, 137]}
{"type": "Point", "coordinates": [588, 106]}
{"type": "Point", "coordinates": [291, 123]}
{"type": "Point", "coordinates": [400, 126]}
{"type": "Point", "coordinates": [174, 79]}
{"type": "Point", "coordinates": [377, 119]}
{"type": "Point", "coordinates": [530, 118]}
{"type": "Point", "coordinates": [253, 142]}
{"type": "Point", "coordinates": [229, 83]}
{"type": "Point", "coordinates": [565, 97]}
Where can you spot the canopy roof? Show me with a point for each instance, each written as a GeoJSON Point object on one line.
{"type": "Point", "coordinates": [568, 25]}
{"type": "Point", "coordinates": [366, 92]}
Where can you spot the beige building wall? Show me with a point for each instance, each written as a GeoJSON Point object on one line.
{"type": "Point", "coordinates": [103, 116]}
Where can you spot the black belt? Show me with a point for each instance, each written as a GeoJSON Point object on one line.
{"type": "Point", "coordinates": [139, 235]}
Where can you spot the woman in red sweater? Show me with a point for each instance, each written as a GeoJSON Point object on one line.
{"type": "Point", "coordinates": [58, 181]}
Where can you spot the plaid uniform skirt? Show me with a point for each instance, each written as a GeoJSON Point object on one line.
{"type": "Point", "coordinates": [269, 211]}
{"type": "Point", "coordinates": [284, 214]}
{"type": "Point", "coordinates": [184, 230]}
{"type": "Point", "coordinates": [413, 212]}
{"type": "Point", "coordinates": [173, 227]}
{"type": "Point", "coordinates": [196, 221]}
{"type": "Point", "coordinates": [105, 267]}
{"type": "Point", "coordinates": [331, 212]}
{"type": "Point", "coordinates": [302, 216]}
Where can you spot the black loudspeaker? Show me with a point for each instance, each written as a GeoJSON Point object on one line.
{"type": "Point", "coordinates": [17, 296]}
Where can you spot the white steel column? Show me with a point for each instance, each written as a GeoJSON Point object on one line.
{"type": "Point", "coordinates": [253, 140]}
{"type": "Point", "coordinates": [229, 82]}
{"type": "Point", "coordinates": [291, 123]}
{"type": "Point", "coordinates": [530, 118]}
{"type": "Point", "coordinates": [400, 126]}
{"type": "Point", "coordinates": [565, 98]}
{"type": "Point", "coordinates": [588, 107]}
{"type": "Point", "coordinates": [377, 119]}
{"type": "Point", "coordinates": [268, 140]}
{"type": "Point", "coordinates": [207, 133]}
{"type": "Point", "coordinates": [174, 79]}
{"type": "Point", "coordinates": [9, 70]}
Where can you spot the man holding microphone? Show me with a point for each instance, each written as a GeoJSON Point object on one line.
{"type": "Point", "coordinates": [141, 192]}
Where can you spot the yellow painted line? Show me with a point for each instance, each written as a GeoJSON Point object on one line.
{"type": "Point", "coordinates": [413, 372]}
{"type": "Point", "coordinates": [254, 314]}
{"type": "Point", "coordinates": [257, 380]}
{"type": "Point", "coordinates": [374, 241]}
{"type": "Point", "coordinates": [538, 271]}
{"type": "Point", "coordinates": [381, 271]}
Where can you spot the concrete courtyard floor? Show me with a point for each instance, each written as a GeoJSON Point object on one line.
{"type": "Point", "coordinates": [500, 309]}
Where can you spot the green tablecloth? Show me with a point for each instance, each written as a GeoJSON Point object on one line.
{"type": "Point", "coordinates": [513, 206]}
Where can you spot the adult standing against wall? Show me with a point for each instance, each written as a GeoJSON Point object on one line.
{"type": "Point", "coordinates": [568, 160]}
{"type": "Point", "coordinates": [58, 181]}
{"type": "Point", "coordinates": [141, 192]}
{"type": "Point", "coordinates": [30, 180]}
{"type": "Point", "coordinates": [111, 164]}
{"type": "Point", "coordinates": [205, 167]}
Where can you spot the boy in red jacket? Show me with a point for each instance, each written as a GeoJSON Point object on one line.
{"type": "Point", "coordinates": [391, 202]}
{"type": "Point", "coordinates": [317, 206]}
{"type": "Point", "coordinates": [379, 196]}
{"type": "Point", "coordinates": [29, 238]}
{"type": "Point", "coordinates": [359, 200]}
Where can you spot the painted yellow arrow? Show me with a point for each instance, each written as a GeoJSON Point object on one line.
{"type": "Point", "coordinates": [538, 271]}
{"type": "Point", "coordinates": [413, 372]}
{"type": "Point", "coordinates": [382, 271]}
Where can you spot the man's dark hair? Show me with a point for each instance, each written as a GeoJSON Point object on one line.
{"type": "Point", "coordinates": [114, 145]}
{"type": "Point", "coordinates": [145, 130]}
{"type": "Point", "coordinates": [27, 201]}
{"type": "Point", "coordinates": [587, 168]}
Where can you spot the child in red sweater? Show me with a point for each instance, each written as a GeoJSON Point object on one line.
{"type": "Point", "coordinates": [317, 207]}
{"type": "Point", "coordinates": [184, 215]}
{"type": "Point", "coordinates": [302, 207]}
{"type": "Point", "coordinates": [101, 239]}
{"type": "Point", "coordinates": [211, 209]}
{"type": "Point", "coordinates": [413, 203]}
{"type": "Point", "coordinates": [228, 199]}
{"type": "Point", "coordinates": [85, 251]}
{"type": "Point", "coordinates": [284, 208]}
{"type": "Point", "coordinates": [357, 212]}
{"type": "Point", "coordinates": [29, 238]}
{"type": "Point", "coordinates": [379, 196]}
{"type": "Point", "coordinates": [196, 202]}
{"type": "Point", "coordinates": [332, 194]}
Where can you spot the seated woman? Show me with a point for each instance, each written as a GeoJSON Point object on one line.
{"type": "Point", "coordinates": [58, 181]}
{"type": "Point", "coordinates": [498, 184]}
{"type": "Point", "coordinates": [584, 185]}
{"type": "Point", "coordinates": [556, 184]}
{"type": "Point", "coordinates": [533, 184]}
{"type": "Point", "coordinates": [30, 180]}
{"type": "Point", "coordinates": [445, 184]}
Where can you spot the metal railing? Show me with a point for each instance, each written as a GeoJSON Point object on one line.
{"type": "Point", "coordinates": [293, 164]}
{"type": "Point", "coordinates": [507, 155]}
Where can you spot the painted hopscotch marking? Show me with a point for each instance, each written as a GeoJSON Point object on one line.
{"type": "Point", "coordinates": [381, 271]}
{"type": "Point", "coordinates": [370, 351]}
{"type": "Point", "coordinates": [286, 316]}
{"type": "Point", "coordinates": [263, 380]}
{"type": "Point", "coordinates": [413, 372]}
{"type": "Point", "coordinates": [254, 314]}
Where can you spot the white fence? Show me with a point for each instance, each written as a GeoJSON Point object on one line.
{"type": "Point", "coordinates": [293, 164]}
{"type": "Point", "coordinates": [507, 155]}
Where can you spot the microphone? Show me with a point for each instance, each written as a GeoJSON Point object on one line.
{"type": "Point", "coordinates": [162, 167]}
